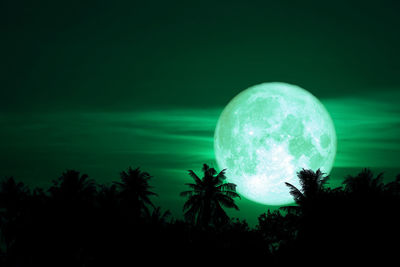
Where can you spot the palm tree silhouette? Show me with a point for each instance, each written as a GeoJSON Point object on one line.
{"type": "Point", "coordinates": [157, 217]}
{"type": "Point", "coordinates": [312, 183]}
{"type": "Point", "coordinates": [364, 183]}
{"type": "Point", "coordinates": [135, 190]}
{"type": "Point", "coordinates": [72, 186]}
{"type": "Point", "coordinates": [207, 197]}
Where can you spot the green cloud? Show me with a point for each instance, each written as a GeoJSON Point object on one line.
{"type": "Point", "coordinates": [37, 147]}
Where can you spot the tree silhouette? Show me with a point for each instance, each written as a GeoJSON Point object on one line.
{"type": "Point", "coordinates": [12, 194]}
{"type": "Point", "coordinates": [13, 199]}
{"type": "Point", "coordinates": [135, 191]}
{"type": "Point", "coordinates": [76, 223]}
{"type": "Point", "coordinates": [108, 198]}
{"type": "Point", "coordinates": [158, 218]}
{"type": "Point", "coordinates": [393, 188]}
{"type": "Point", "coordinates": [207, 198]}
{"type": "Point", "coordinates": [71, 205]}
{"type": "Point", "coordinates": [72, 186]}
{"type": "Point", "coordinates": [277, 229]}
{"type": "Point", "coordinates": [364, 183]}
{"type": "Point", "coordinates": [312, 183]}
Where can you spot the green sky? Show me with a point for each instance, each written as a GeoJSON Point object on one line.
{"type": "Point", "coordinates": [102, 85]}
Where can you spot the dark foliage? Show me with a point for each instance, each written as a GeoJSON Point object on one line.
{"type": "Point", "coordinates": [79, 223]}
{"type": "Point", "coordinates": [357, 224]}
{"type": "Point", "coordinates": [207, 197]}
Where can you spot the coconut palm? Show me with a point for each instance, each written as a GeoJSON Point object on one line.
{"type": "Point", "coordinates": [364, 183]}
{"type": "Point", "coordinates": [72, 186]}
{"type": "Point", "coordinates": [312, 183]}
{"type": "Point", "coordinates": [208, 196]}
{"type": "Point", "coordinates": [135, 190]}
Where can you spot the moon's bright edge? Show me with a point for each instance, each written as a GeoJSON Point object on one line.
{"type": "Point", "coordinates": [269, 132]}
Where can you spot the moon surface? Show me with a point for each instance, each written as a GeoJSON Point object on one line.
{"type": "Point", "coordinates": [269, 132]}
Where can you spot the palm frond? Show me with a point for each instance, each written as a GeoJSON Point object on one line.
{"type": "Point", "coordinates": [192, 201]}
{"type": "Point", "coordinates": [186, 193]}
{"type": "Point", "coordinates": [221, 175]}
{"type": "Point", "coordinates": [227, 186]}
{"type": "Point", "coordinates": [227, 202]}
{"type": "Point", "coordinates": [231, 194]}
{"type": "Point", "coordinates": [193, 186]}
{"type": "Point", "coordinates": [295, 192]}
{"type": "Point", "coordinates": [194, 176]}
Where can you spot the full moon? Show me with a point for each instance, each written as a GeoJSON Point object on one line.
{"type": "Point", "coordinates": [269, 132]}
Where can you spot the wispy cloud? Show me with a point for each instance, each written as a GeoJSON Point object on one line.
{"type": "Point", "coordinates": [155, 139]}
{"type": "Point", "coordinates": [38, 147]}
{"type": "Point", "coordinates": [368, 131]}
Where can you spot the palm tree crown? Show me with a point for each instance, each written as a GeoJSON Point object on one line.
{"type": "Point", "coordinates": [364, 183]}
{"type": "Point", "coordinates": [207, 197]}
{"type": "Point", "coordinates": [135, 190]}
{"type": "Point", "coordinates": [73, 186]}
{"type": "Point", "coordinates": [312, 183]}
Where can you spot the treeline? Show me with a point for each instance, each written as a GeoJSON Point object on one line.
{"type": "Point", "coordinates": [80, 223]}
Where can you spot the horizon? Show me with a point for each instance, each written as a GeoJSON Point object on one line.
{"type": "Point", "coordinates": [98, 87]}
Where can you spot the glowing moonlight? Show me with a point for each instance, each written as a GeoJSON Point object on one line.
{"type": "Point", "coordinates": [269, 132]}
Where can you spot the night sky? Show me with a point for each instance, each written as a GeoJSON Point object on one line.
{"type": "Point", "coordinates": [99, 86]}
